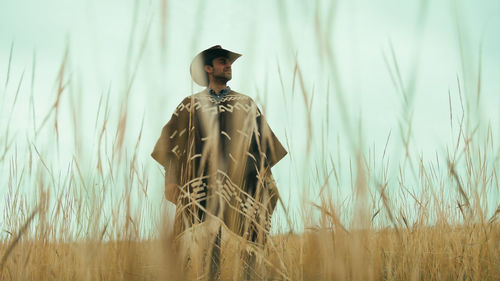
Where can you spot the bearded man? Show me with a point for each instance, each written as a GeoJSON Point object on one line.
{"type": "Point", "coordinates": [217, 150]}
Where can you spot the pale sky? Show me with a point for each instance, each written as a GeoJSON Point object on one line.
{"type": "Point", "coordinates": [108, 40]}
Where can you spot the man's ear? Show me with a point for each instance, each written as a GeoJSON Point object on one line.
{"type": "Point", "coordinates": [208, 68]}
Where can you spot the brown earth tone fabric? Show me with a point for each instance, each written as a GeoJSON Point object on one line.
{"type": "Point", "coordinates": [220, 154]}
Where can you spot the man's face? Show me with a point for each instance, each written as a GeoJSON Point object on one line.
{"type": "Point", "coordinates": [221, 69]}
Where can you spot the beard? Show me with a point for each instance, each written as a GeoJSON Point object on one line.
{"type": "Point", "coordinates": [222, 77]}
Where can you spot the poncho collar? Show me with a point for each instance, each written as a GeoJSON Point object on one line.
{"type": "Point", "coordinates": [220, 95]}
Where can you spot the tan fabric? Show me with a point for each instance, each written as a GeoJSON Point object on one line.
{"type": "Point", "coordinates": [220, 154]}
{"type": "Point", "coordinates": [196, 246]}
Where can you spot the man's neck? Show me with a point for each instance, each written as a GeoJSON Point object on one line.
{"type": "Point", "coordinates": [217, 87]}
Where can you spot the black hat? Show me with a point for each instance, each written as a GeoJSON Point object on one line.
{"type": "Point", "coordinates": [205, 57]}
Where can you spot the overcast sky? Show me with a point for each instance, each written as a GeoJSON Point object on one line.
{"type": "Point", "coordinates": [111, 43]}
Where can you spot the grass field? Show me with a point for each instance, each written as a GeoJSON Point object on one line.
{"type": "Point", "coordinates": [67, 231]}
{"type": "Point", "coordinates": [421, 253]}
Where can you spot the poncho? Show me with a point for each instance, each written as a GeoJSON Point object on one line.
{"type": "Point", "coordinates": [220, 155]}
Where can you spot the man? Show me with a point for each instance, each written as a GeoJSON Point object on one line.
{"type": "Point", "coordinates": [217, 150]}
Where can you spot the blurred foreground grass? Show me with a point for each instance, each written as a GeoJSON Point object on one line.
{"type": "Point", "coordinates": [441, 252]}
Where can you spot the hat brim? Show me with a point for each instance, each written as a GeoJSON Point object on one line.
{"type": "Point", "coordinates": [205, 57]}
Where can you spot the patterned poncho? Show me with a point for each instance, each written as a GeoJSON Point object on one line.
{"type": "Point", "coordinates": [220, 154]}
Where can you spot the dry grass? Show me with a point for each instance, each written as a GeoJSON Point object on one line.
{"type": "Point", "coordinates": [424, 253]}
{"type": "Point", "coordinates": [77, 225]}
